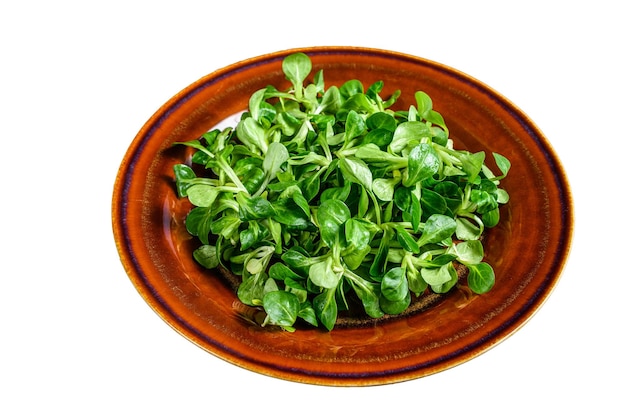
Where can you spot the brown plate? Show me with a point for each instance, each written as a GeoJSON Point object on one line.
{"type": "Point", "coordinates": [528, 249]}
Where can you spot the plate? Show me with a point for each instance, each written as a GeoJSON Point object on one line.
{"type": "Point", "coordinates": [527, 250]}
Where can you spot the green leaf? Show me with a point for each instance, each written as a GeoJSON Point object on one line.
{"type": "Point", "coordinates": [196, 144]}
{"type": "Point", "coordinates": [356, 171]}
{"type": "Point", "coordinates": [423, 164]}
{"type": "Point", "coordinates": [424, 103]}
{"type": "Point", "coordinates": [279, 271]}
{"type": "Point", "coordinates": [359, 103]}
{"type": "Point", "coordinates": [331, 215]}
{"type": "Point", "coordinates": [484, 200]}
{"type": "Point", "coordinates": [492, 217]}
{"type": "Point", "coordinates": [409, 132]}
{"type": "Point", "coordinates": [378, 137]}
{"type": "Point", "coordinates": [436, 276]}
{"type": "Point", "coordinates": [395, 306]}
{"type": "Point", "coordinates": [307, 313]}
{"type": "Point", "coordinates": [297, 67]}
{"type": "Point", "coordinates": [502, 197]}
{"type": "Point", "coordinates": [379, 265]}
{"type": "Point", "coordinates": [270, 285]}
{"type": "Point", "coordinates": [325, 307]}
{"type": "Point", "coordinates": [394, 285]}
{"type": "Point", "coordinates": [298, 288]}
{"type": "Point", "coordinates": [371, 153]}
{"type": "Point", "coordinates": [331, 100]}
{"type": "Point", "coordinates": [448, 285]}
{"type": "Point", "coordinates": [402, 198]}
{"type": "Point", "coordinates": [246, 163]}
{"type": "Point", "coordinates": [437, 228]}
{"type": "Point", "coordinates": [451, 193]}
{"type": "Point", "coordinates": [198, 223]}
{"type": "Point", "coordinates": [426, 112]}
{"type": "Point", "coordinates": [357, 233]}
{"type": "Point", "coordinates": [468, 230]}
{"type": "Point", "coordinates": [436, 119]}
{"type": "Point", "coordinates": [503, 163]}
{"type": "Point", "coordinates": [340, 193]}
{"type": "Point", "coordinates": [374, 90]}
{"type": "Point", "coordinates": [254, 208]}
{"type": "Point", "coordinates": [206, 255]}
{"type": "Point", "coordinates": [481, 278]}
{"type": "Point", "coordinates": [381, 120]}
{"type": "Point", "coordinates": [254, 104]}
{"type": "Point", "coordinates": [470, 252]}
{"type": "Point", "coordinates": [364, 203]}
{"type": "Point", "coordinates": [472, 164]}
{"type": "Point", "coordinates": [354, 257]}
{"type": "Point", "coordinates": [415, 212]}
{"type": "Point", "coordinates": [202, 195]}
{"type": "Point", "coordinates": [301, 201]}
{"type": "Point", "coordinates": [355, 126]}
{"type": "Point", "coordinates": [256, 261]}
{"type": "Point", "coordinates": [407, 241]}
{"type": "Point", "coordinates": [368, 293]}
{"type": "Point", "coordinates": [310, 186]}
{"type": "Point", "coordinates": [288, 212]}
{"type": "Point", "coordinates": [252, 134]}
{"type": "Point", "coordinates": [321, 274]}
{"type": "Point", "coordinates": [277, 154]}
{"type": "Point", "coordinates": [350, 88]}
{"type": "Point", "coordinates": [226, 226]}
{"type": "Point", "coordinates": [287, 123]}
{"type": "Point", "coordinates": [416, 282]}
{"type": "Point", "coordinates": [433, 203]}
{"type": "Point", "coordinates": [255, 233]}
{"type": "Point", "coordinates": [392, 99]}
{"type": "Point", "coordinates": [384, 188]}
{"type": "Point", "coordinates": [297, 261]}
{"type": "Point", "coordinates": [439, 260]}
{"type": "Point", "coordinates": [267, 115]}
{"type": "Point", "coordinates": [282, 308]}
{"type": "Point", "coordinates": [183, 173]}
{"type": "Point", "coordinates": [251, 290]}
{"type": "Point", "coordinates": [253, 179]}
{"type": "Point", "coordinates": [318, 81]}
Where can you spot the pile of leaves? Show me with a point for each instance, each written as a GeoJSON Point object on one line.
{"type": "Point", "coordinates": [323, 196]}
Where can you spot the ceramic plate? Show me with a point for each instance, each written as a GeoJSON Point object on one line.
{"type": "Point", "coordinates": [527, 249]}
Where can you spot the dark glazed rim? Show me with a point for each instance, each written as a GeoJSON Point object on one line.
{"type": "Point", "coordinates": [142, 282]}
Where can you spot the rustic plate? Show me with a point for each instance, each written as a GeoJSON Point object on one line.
{"type": "Point", "coordinates": [527, 250]}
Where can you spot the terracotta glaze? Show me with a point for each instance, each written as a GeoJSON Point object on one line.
{"type": "Point", "coordinates": [527, 250]}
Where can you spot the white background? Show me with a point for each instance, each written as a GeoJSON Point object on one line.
{"type": "Point", "coordinates": [79, 79]}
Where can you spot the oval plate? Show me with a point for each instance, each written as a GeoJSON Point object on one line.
{"type": "Point", "coordinates": [527, 249]}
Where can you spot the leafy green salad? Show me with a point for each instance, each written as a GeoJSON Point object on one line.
{"type": "Point", "coordinates": [324, 199]}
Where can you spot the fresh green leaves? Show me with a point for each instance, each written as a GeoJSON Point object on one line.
{"type": "Point", "coordinates": [324, 199]}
